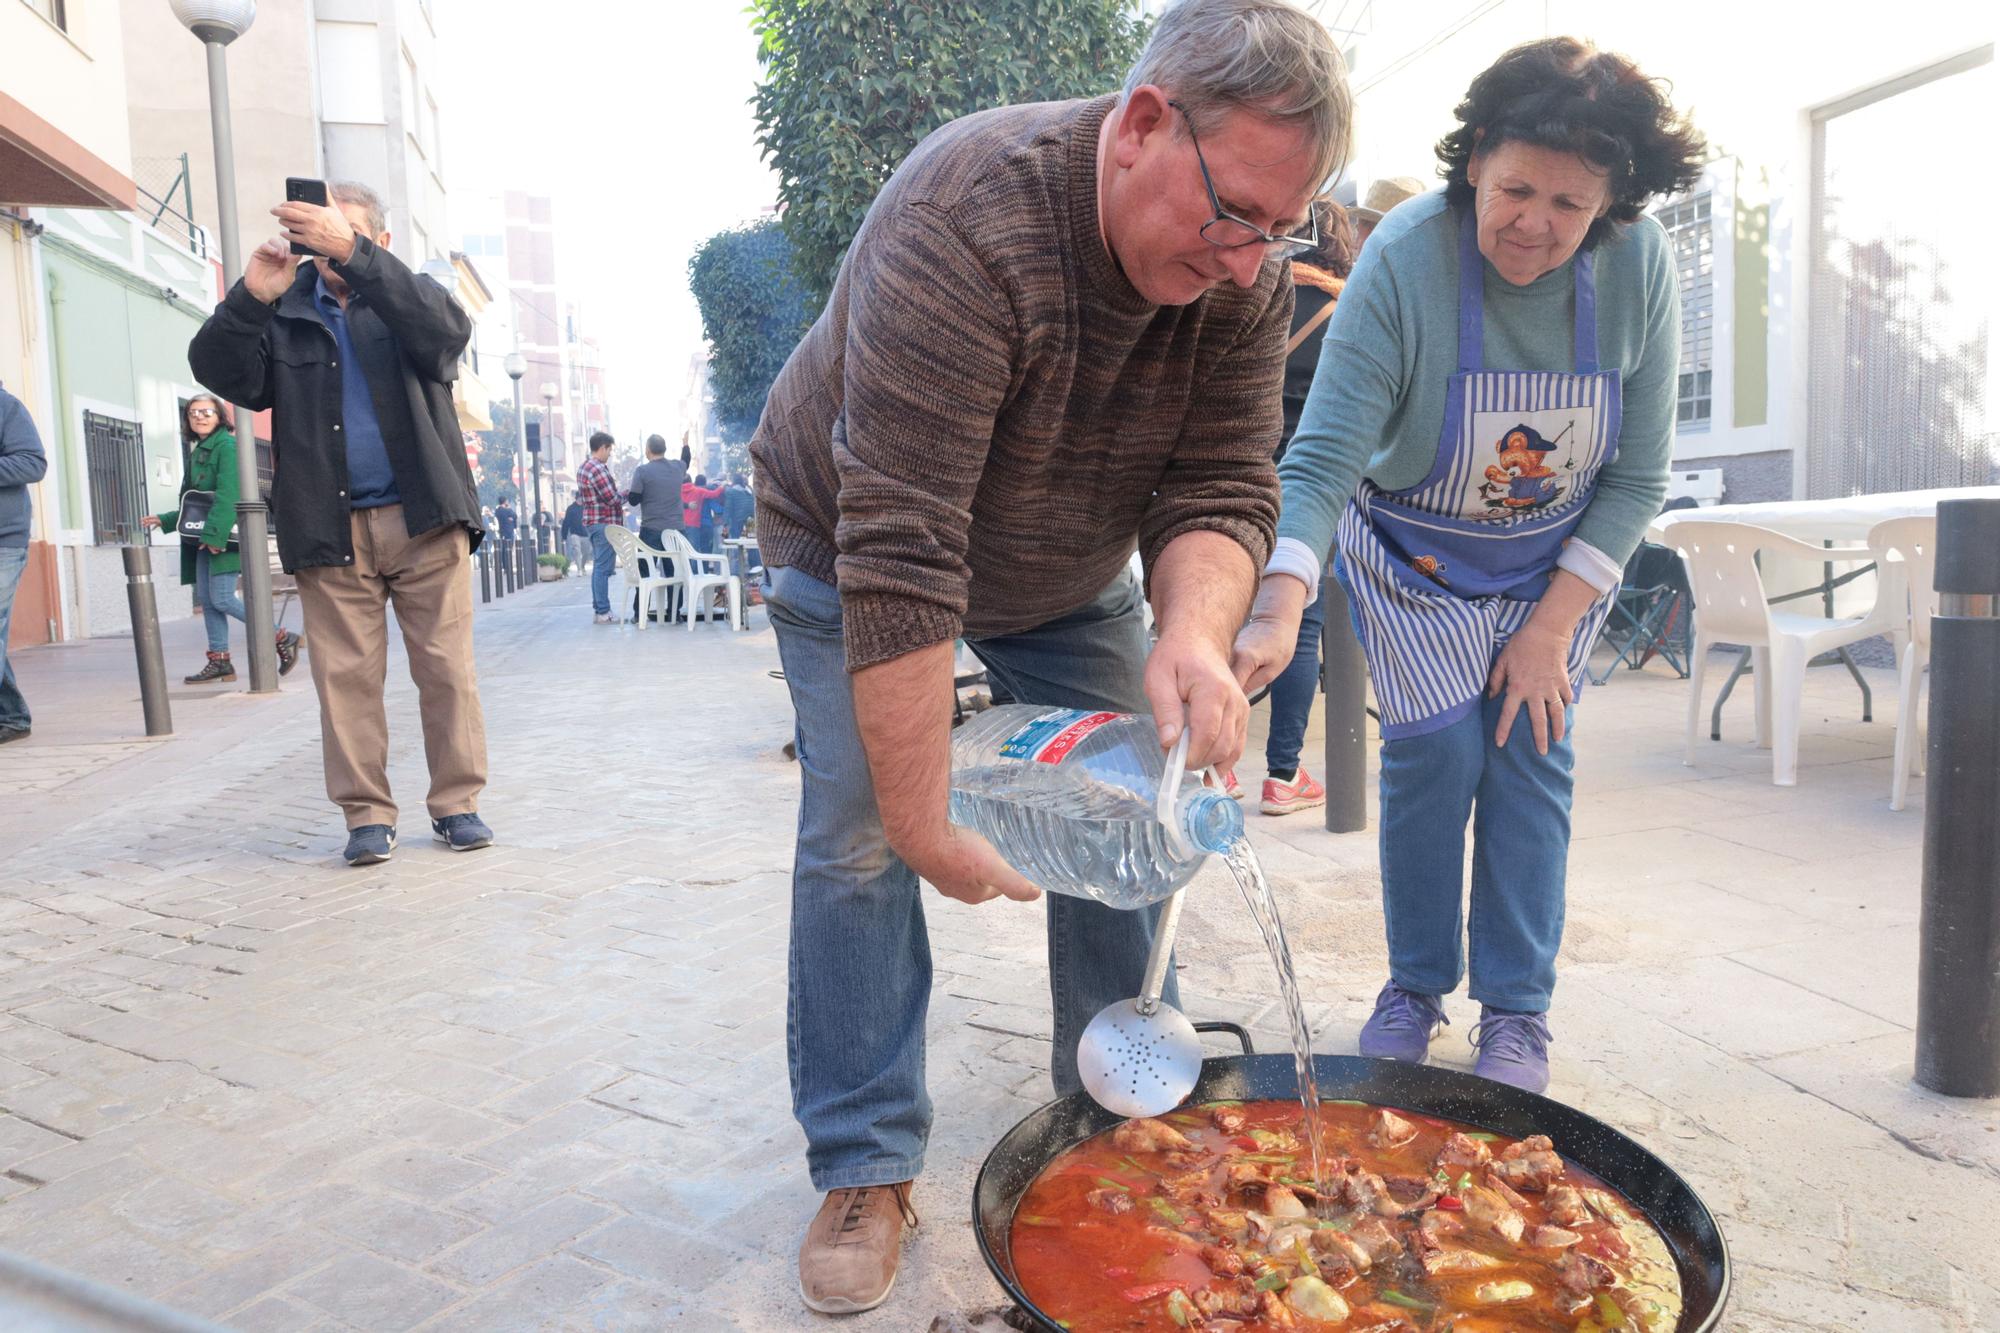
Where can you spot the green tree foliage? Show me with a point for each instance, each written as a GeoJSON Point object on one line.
{"type": "Point", "coordinates": [496, 456]}
{"type": "Point", "coordinates": [851, 86]}
{"type": "Point", "coordinates": [753, 312]}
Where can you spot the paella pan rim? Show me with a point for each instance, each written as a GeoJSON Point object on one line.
{"type": "Point", "coordinates": [1700, 1252]}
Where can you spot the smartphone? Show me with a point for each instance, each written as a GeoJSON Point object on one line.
{"type": "Point", "coordinates": [304, 190]}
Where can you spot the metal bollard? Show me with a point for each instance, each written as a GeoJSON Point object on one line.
{"type": "Point", "coordinates": [1958, 960]}
{"type": "Point", "coordinates": [507, 568]}
{"type": "Point", "coordinates": [146, 640]}
{"type": "Point", "coordinates": [1344, 676]}
{"type": "Point", "coordinates": [485, 575]}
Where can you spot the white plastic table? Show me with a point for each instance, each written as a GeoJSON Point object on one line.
{"type": "Point", "coordinates": [1845, 520]}
{"type": "Point", "coordinates": [1842, 520]}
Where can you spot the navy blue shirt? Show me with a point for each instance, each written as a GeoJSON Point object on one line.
{"type": "Point", "coordinates": [371, 483]}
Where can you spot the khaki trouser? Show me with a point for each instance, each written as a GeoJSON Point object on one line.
{"type": "Point", "coordinates": [347, 639]}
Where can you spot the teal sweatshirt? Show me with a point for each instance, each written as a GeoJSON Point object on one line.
{"type": "Point", "coordinates": [1377, 401]}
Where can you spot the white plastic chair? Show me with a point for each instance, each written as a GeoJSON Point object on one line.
{"type": "Point", "coordinates": [630, 551]}
{"type": "Point", "coordinates": [1906, 563]}
{"type": "Point", "coordinates": [702, 575]}
{"type": "Point", "coordinates": [1730, 607]}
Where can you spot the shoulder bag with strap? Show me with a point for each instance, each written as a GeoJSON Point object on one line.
{"type": "Point", "coordinates": [1320, 317]}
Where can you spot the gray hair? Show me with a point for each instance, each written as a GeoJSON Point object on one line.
{"type": "Point", "coordinates": [1262, 56]}
{"type": "Point", "coordinates": [369, 202]}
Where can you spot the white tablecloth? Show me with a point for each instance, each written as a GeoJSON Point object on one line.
{"type": "Point", "coordinates": [1843, 520]}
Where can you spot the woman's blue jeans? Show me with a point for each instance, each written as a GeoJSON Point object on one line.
{"type": "Point", "coordinates": [216, 595]}
{"type": "Point", "coordinates": [860, 956]}
{"type": "Point", "coordinates": [1518, 804]}
{"type": "Point", "coordinates": [1293, 690]}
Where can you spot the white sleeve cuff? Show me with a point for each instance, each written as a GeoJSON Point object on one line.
{"type": "Point", "coordinates": [1591, 565]}
{"type": "Point", "coordinates": [1294, 557]}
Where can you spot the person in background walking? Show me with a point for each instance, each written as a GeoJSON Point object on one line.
{"type": "Point", "coordinates": [22, 464]}
{"type": "Point", "coordinates": [575, 545]}
{"type": "Point", "coordinates": [656, 488]}
{"type": "Point", "coordinates": [509, 521]}
{"type": "Point", "coordinates": [695, 517]}
{"type": "Point", "coordinates": [1317, 277]}
{"type": "Point", "coordinates": [373, 501]}
{"type": "Point", "coordinates": [602, 508]}
{"type": "Point", "coordinates": [739, 506]}
{"type": "Point", "coordinates": [211, 562]}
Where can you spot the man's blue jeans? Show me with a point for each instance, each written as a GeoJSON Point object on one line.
{"type": "Point", "coordinates": [1518, 803]}
{"type": "Point", "coordinates": [1293, 690]}
{"type": "Point", "coordinates": [603, 560]}
{"type": "Point", "coordinates": [13, 708]}
{"type": "Point", "coordinates": [860, 958]}
{"type": "Point", "coordinates": [216, 595]}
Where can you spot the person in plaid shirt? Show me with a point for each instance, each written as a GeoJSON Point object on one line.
{"type": "Point", "coordinates": [603, 506]}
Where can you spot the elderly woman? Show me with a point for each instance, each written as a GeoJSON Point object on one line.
{"type": "Point", "coordinates": [1486, 439]}
{"type": "Point", "coordinates": [210, 561]}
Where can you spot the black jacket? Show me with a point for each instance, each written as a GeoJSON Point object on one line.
{"type": "Point", "coordinates": [1299, 366]}
{"type": "Point", "coordinates": [408, 333]}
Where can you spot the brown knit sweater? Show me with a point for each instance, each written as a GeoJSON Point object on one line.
{"type": "Point", "coordinates": [987, 415]}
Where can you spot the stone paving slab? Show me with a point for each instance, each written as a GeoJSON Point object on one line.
{"type": "Point", "coordinates": [544, 1085]}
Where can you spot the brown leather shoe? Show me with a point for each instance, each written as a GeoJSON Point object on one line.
{"type": "Point", "coordinates": [848, 1261]}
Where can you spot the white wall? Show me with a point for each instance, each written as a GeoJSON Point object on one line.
{"type": "Point", "coordinates": [74, 80]}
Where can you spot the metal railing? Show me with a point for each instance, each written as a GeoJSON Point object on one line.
{"type": "Point", "coordinates": [166, 199]}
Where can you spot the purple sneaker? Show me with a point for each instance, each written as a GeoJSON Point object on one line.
{"type": "Point", "coordinates": [1402, 1025]}
{"type": "Point", "coordinates": [1513, 1048]}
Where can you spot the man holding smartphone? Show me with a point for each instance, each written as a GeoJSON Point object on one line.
{"type": "Point", "coordinates": [373, 501]}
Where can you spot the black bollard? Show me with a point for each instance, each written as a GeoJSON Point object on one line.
{"type": "Point", "coordinates": [1344, 676]}
{"type": "Point", "coordinates": [1958, 967]}
{"type": "Point", "coordinates": [485, 574]}
{"type": "Point", "coordinates": [146, 640]}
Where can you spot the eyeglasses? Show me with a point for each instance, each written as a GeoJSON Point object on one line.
{"type": "Point", "coordinates": [1226, 231]}
{"type": "Point", "coordinates": [199, 412]}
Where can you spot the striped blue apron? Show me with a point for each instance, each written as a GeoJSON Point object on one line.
{"type": "Point", "coordinates": [1440, 575]}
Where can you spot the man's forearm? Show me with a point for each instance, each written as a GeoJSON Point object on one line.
{"type": "Point", "coordinates": [902, 709]}
{"type": "Point", "coordinates": [1202, 586]}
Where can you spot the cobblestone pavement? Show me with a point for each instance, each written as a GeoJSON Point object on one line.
{"type": "Point", "coordinates": [544, 1085]}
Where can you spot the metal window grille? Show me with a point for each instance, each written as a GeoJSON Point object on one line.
{"type": "Point", "coordinates": [1691, 232]}
{"type": "Point", "coordinates": [1901, 315]}
{"type": "Point", "coordinates": [115, 454]}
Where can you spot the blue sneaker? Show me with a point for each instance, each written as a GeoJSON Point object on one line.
{"type": "Point", "coordinates": [1402, 1025]}
{"type": "Point", "coordinates": [462, 833]}
{"type": "Point", "coordinates": [1513, 1048]}
{"type": "Point", "coordinates": [369, 844]}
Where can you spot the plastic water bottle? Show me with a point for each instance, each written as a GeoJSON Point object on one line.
{"type": "Point", "coordinates": [1070, 798]}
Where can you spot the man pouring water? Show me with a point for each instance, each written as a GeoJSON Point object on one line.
{"type": "Point", "coordinates": [1059, 332]}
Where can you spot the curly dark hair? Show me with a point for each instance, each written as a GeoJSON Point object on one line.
{"type": "Point", "coordinates": [1564, 93]}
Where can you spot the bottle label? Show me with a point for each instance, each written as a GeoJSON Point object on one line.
{"type": "Point", "coordinates": [1050, 737]}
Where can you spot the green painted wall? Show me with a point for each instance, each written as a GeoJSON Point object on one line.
{"type": "Point", "coordinates": [1750, 353]}
{"type": "Point", "coordinates": [118, 342]}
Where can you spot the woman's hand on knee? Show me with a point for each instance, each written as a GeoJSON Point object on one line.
{"type": "Point", "coordinates": [1532, 670]}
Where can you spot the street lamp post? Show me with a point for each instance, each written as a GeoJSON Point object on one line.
{"type": "Point", "coordinates": [517, 366]}
{"type": "Point", "coordinates": [548, 421]}
{"type": "Point", "coordinates": [218, 23]}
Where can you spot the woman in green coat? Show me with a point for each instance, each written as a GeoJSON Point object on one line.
{"type": "Point", "coordinates": [211, 563]}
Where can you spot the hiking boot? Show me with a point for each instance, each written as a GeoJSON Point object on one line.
{"type": "Point", "coordinates": [848, 1261]}
{"type": "Point", "coordinates": [1513, 1048]}
{"type": "Point", "coordinates": [1402, 1025]}
{"type": "Point", "coordinates": [288, 650]}
{"type": "Point", "coordinates": [369, 845]}
{"type": "Point", "coordinates": [1301, 793]}
{"type": "Point", "coordinates": [217, 671]}
{"type": "Point", "coordinates": [462, 833]}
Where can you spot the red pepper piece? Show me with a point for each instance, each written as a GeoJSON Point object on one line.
{"type": "Point", "coordinates": [1146, 1291]}
{"type": "Point", "coordinates": [1451, 1203]}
